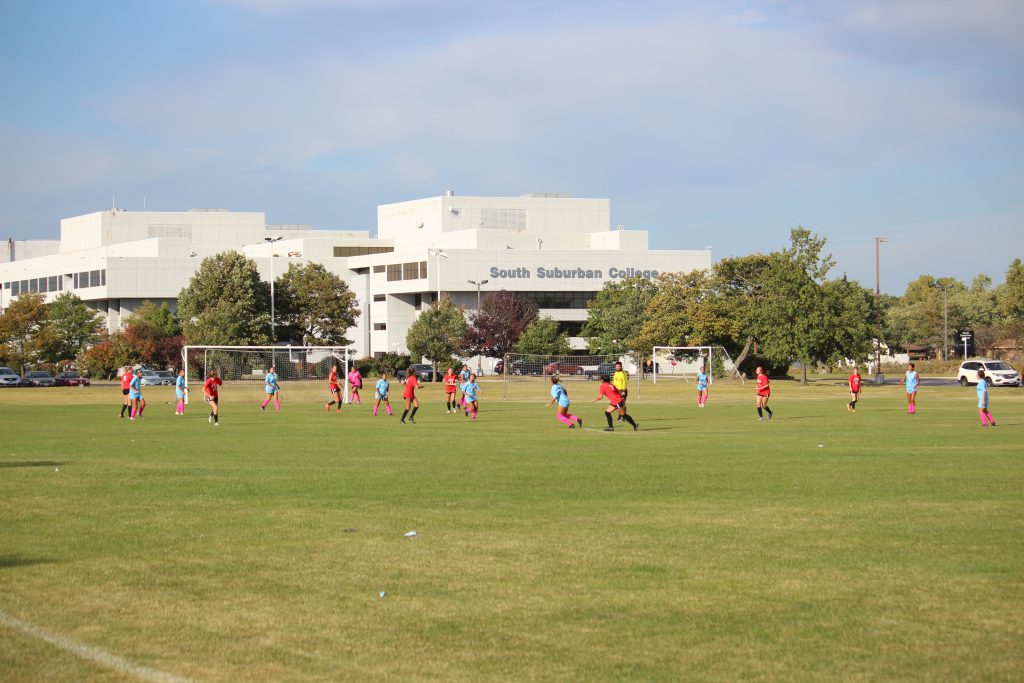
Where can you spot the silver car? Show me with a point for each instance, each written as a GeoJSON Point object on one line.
{"type": "Point", "coordinates": [9, 378]}
{"type": "Point", "coordinates": [152, 378]}
{"type": "Point", "coordinates": [39, 378]}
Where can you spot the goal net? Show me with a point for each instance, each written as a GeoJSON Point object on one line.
{"type": "Point", "coordinates": [301, 371]}
{"type": "Point", "coordinates": [685, 362]}
{"type": "Point", "coordinates": [527, 376]}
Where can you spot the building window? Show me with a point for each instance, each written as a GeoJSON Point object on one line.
{"type": "Point", "coordinates": [411, 271]}
{"type": "Point", "coordinates": [15, 288]}
{"type": "Point", "coordinates": [394, 272]}
{"type": "Point", "coordinates": [361, 251]}
{"type": "Point", "coordinates": [94, 278]}
{"type": "Point", "coordinates": [378, 269]}
{"type": "Point", "coordinates": [24, 286]}
{"type": "Point", "coordinates": [83, 279]}
{"type": "Point", "coordinates": [560, 299]}
{"type": "Point", "coordinates": [44, 285]}
{"type": "Point", "coordinates": [103, 277]}
{"type": "Point", "coordinates": [380, 326]}
{"type": "Point", "coordinates": [423, 269]}
{"type": "Point", "coordinates": [379, 297]}
{"type": "Point", "coordinates": [571, 327]}
{"type": "Point", "coordinates": [54, 283]}
{"type": "Point", "coordinates": [417, 301]}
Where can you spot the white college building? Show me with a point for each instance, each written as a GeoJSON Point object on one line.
{"type": "Point", "coordinates": [556, 250]}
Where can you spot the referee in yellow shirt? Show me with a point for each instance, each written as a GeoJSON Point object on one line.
{"type": "Point", "coordinates": [620, 378]}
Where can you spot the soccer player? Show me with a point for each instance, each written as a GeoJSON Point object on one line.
{"type": "Point", "coordinates": [463, 378]}
{"type": "Point", "coordinates": [355, 381]}
{"type": "Point", "coordinates": [471, 389]}
{"type": "Point", "coordinates": [854, 390]}
{"type": "Point", "coordinates": [559, 395]}
{"type": "Point", "coordinates": [620, 380]}
{"type": "Point", "coordinates": [702, 387]}
{"type": "Point", "coordinates": [179, 391]}
{"type": "Point", "coordinates": [381, 394]}
{"type": "Point", "coordinates": [273, 391]}
{"type": "Point", "coordinates": [451, 384]}
{"type": "Point", "coordinates": [334, 388]}
{"type": "Point", "coordinates": [409, 394]}
{"type": "Point", "coordinates": [986, 417]}
{"type": "Point", "coordinates": [764, 392]}
{"type": "Point", "coordinates": [911, 380]}
{"type": "Point", "coordinates": [135, 395]}
{"type": "Point", "coordinates": [126, 384]}
{"type": "Point", "coordinates": [615, 403]}
{"type": "Point", "coordinates": [212, 395]}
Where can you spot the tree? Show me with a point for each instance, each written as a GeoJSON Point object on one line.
{"type": "Point", "coordinates": [314, 306]}
{"type": "Point", "coordinates": [739, 285]}
{"type": "Point", "coordinates": [496, 327]}
{"type": "Point", "coordinates": [74, 326]}
{"type": "Point", "coordinates": [1011, 293]}
{"type": "Point", "coordinates": [849, 307]}
{"type": "Point", "coordinates": [225, 302]}
{"type": "Point", "coordinates": [159, 319]}
{"type": "Point", "coordinates": [105, 357]}
{"type": "Point", "coordinates": [438, 333]}
{"type": "Point", "coordinates": [25, 331]}
{"type": "Point", "coordinates": [543, 337]}
{"type": "Point", "coordinates": [616, 314]}
{"type": "Point", "coordinates": [683, 312]}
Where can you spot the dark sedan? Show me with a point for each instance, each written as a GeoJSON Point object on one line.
{"type": "Point", "coordinates": [71, 379]}
{"type": "Point", "coordinates": [38, 378]}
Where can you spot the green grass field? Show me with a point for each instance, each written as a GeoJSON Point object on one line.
{"type": "Point", "coordinates": [821, 545]}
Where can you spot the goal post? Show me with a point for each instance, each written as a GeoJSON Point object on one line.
{"type": "Point", "coordinates": [302, 371]}
{"type": "Point", "coordinates": [685, 362]}
{"type": "Point", "coordinates": [527, 376]}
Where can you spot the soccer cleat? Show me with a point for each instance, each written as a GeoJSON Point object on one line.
{"type": "Point", "coordinates": [771, 415]}
{"type": "Point", "coordinates": [636, 425]}
{"type": "Point", "coordinates": [401, 421]}
{"type": "Point", "coordinates": [572, 426]}
{"type": "Point", "coordinates": [760, 419]}
{"type": "Point", "coordinates": [210, 419]}
{"type": "Point", "coordinates": [619, 419]}
{"type": "Point", "coordinates": [132, 419]}
{"type": "Point", "coordinates": [263, 409]}
{"type": "Point", "coordinates": [609, 429]}
{"type": "Point", "coordinates": [412, 420]}
{"type": "Point", "coordinates": [216, 424]}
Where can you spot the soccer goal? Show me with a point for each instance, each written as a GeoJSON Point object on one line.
{"type": "Point", "coordinates": [685, 362]}
{"type": "Point", "coordinates": [527, 376]}
{"type": "Point", "coordinates": [301, 371]}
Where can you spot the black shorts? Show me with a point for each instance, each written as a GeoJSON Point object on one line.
{"type": "Point", "coordinates": [335, 390]}
{"type": "Point", "coordinates": [211, 399]}
{"type": "Point", "coordinates": [124, 392]}
{"type": "Point", "coordinates": [619, 406]}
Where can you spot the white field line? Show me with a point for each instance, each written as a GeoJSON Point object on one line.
{"type": "Point", "coordinates": [86, 652]}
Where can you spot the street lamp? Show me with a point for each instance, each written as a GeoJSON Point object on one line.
{"type": "Point", "coordinates": [439, 254]}
{"type": "Point", "coordinates": [879, 378]}
{"type": "Point", "coordinates": [271, 241]}
{"type": "Point", "coordinates": [479, 360]}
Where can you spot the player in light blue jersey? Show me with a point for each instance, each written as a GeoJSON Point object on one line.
{"type": "Point", "coordinates": [464, 374]}
{"type": "Point", "coordinates": [983, 413]}
{"type": "Point", "coordinates": [561, 397]}
{"type": "Point", "coordinates": [273, 391]}
{"type": "Point", "coordinates": [135, 396]}
{"type": "Point", "coordinates": [179, 391]}
{"type": "Point", "coordinates": [702, 387]}
{"type": "Point", "coordinates": [911, 380]}
{"type": "Point", "coordinates": [470, 389]}
{"type": "Point", "coordinates": [380, 393]}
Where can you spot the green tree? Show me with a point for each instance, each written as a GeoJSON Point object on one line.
{"type": "Point", "coordinates": [106, 356]}
{"type": "Point", "coordinates": [616, 314]}
{"type": "Point", "coordinates": [543, 337]}
{"type": "Point", "coordinates": [1011, 292]}
{"type": "Point", "coordinates": [849, 307]}
{"type": "Point", "coordinates": [225, 303]}
{"type": "Point", "coordinates": [684, 311]}
{"type": "Point", "coordinates": [314, 306]}
{"type": "Point", "coordinates": [739, 286]}
{"type": "Point", "coordinates": [74, 325]}
{"type": "Point", "coordinates": [25, 331]}
{"type": "Point", "coordinates": [437, 334]}
{"type": "Point", "coordinates": [159, 319]}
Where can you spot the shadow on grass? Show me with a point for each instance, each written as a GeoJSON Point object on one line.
{"type": "Point", "coordinates": [11, 561]}
{"type": "Point", "coordinates": [33, 463]}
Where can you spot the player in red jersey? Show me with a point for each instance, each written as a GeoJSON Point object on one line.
{"type": "Point", "coordinates": [334, 388]}
{"type": "Point", "coordinates": [451, 383]}
{"type": "Point", "coordinates": [615, 403]}
{"type": "Point", "coordinates": [410, 395]}
{"type": "Point", "coordinates": [854, 390]}
{"type": "Point", "coordinates": [764, 392]}
{"type": "Point", "coordinates": [126, 385]}
{"type": "Point", "coordinates": [212, 395]}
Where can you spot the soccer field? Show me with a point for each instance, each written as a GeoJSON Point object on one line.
{"type": "Point", "coordinates": [820, 545]}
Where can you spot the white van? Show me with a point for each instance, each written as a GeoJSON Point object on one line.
{"type": "Point", "coordinates": [997, 373]}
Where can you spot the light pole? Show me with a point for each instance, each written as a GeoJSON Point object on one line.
{"type": "Point", "coordinates": [439, 254]}
{"type": "Point", "coordinates": [271, 241]}
{"type": "Point", "coordinates": [945, 321]}
{"type": "Point", "coordinates": [879, 378]}
{"type": "Point", "coordinates": [479, 359]}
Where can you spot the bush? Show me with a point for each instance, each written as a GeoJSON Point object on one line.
{"type": "Point", "coordinates": [935, 368]}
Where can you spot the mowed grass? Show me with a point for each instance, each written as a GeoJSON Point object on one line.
{"type": "Point", "coordinates": [707, 546]}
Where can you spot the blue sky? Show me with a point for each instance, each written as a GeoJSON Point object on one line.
{"type": "Point", "coordinates": [707, 123]}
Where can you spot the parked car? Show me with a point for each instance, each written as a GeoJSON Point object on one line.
{"type": "Point", "coordinates": [424, 373]}
{"type": "Point", "coordinates": [9, 378]}
{"type": "Point", "coordinates": [563, 368]}
{"type": "Point", "coordinates": [998, 373]}
{"type": "Point", "coordinates": [38, 378]}
{"type": "Point", "coordinates": [153, 378]}
{"type": "Point", "coordinates": [70, 378]}
{"type": "Point", "coordinates": [602, 369]}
